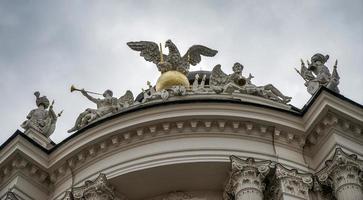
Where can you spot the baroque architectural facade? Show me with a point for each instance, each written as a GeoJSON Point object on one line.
{"type": "Point", "coordinates": [193, 135]}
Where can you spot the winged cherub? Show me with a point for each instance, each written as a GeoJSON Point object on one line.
{"type": "Point", "coordinates": [221, 82]}
{"type": "Point", "coordinates": [173, 61]}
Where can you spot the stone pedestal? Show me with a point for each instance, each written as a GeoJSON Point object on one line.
{"type": "Point", "coordinates": [246, 179]}
{"type": "Point", "coordinates": [39, 138]}
{"type": "Point", "coordinates": [344, 174]}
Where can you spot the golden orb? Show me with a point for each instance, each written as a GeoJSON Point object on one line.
{"type": "Point", "coordinates": [171, 78]}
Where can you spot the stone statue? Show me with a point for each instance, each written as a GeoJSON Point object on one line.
{"type": "Point", "coordinates": [105, 106]}
{"type": "Point", "coordinates": [221, 82]}
{"type": "Point", "coordinates": [268, 91]}
{"type": "Point", "coordinates": [317, 74]}
{"type": "Point", "coordinates": [41, 119]}
{"type": "Point", "coordinates": [236, 82]}
{"type": "Point", "coordinates": [173, 61]}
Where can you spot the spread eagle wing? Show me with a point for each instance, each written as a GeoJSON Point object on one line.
{"type": "Point", "coordinates": [127, 99]}
{"type": "Point", "coordinates": [218, 77]}
{"type": "Point", "coordinates": [193, 55]}
{"type": "Point", "coordinates": [148, 50]}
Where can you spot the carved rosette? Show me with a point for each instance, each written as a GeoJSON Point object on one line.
{"type": "Point", "coordinates": [291, 183]}
{"type": "Point", "coordinates": [344, 174]}
{"type": "Point", "coordinates": [246, 179]}
{"type": "Point", "coordinates": [99, 189]}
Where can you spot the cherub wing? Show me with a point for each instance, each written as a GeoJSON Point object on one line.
{"type": "Point", "coordinates": [148, 50]}
{"type": "Point", "coordinates": [218, 77]}
{"type": "Point", "coordinates": [193, 55]}
{"type": "Point", "coordinates": [127, 99]}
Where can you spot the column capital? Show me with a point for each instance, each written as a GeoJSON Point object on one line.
{"type": "Point", "coordinates": [291, 182]}
{"type": "Point", "coordinates": [343, 173]}
{"type": "Point", "coordinates": [99, 189]}
{"type": "Point", "coordinates": [246, 178]}
{"type": "Point", "coordinates": [340, 161]}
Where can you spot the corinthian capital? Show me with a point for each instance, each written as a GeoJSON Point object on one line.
{"type": "Point", "coordinates": [290, 182]}
{"type": "Point", "coordinates": [343, 173]}
{"type": "Point", "coordinates": [99, 189]}
{"type": "Point", "coordinates": [246, 178]}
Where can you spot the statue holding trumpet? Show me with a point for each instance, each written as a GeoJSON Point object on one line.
{"type": "Point", "coordinates": [105, 106]}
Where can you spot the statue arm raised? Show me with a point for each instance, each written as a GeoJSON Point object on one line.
{"type": "Point", "coordinates": [94, 100]}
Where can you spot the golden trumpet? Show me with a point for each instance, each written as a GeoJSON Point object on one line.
{"type": "Point", "coordinates": [73, 88]}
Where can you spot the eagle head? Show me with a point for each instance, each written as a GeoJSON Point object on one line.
{"type": "Point", "coordinates": [168, 44]}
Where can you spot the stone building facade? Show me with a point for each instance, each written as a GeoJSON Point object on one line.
{"type": "Point", "coordinates": [215, 137]}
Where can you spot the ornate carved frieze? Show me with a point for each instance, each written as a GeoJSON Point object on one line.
{"type": "Point", "coordinates": [290, 183]}
{"type": "Point", "coordinates": [246, 179]}
{"type": "Point", "coordinates": [344, 174]}
{"type": "Point", "coordinates": [99, 189]}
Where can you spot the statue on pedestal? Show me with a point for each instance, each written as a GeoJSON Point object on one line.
{"type": "Point", "coordinates": [41, 119]}
{"type": "Point", "coordinates": [317, 74]}
{"type": "Point", "coordinates": [105, 106]}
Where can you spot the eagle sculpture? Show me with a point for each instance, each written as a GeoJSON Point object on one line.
{"type": "Point", "coordinates": [173, 61]}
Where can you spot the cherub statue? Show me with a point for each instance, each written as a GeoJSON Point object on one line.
{"type": "Point", "coordinates": [105, 106]}
{"type": "Point", "coordinates": [236, 82]}
{"type": "Point", "coordinates": [41, 119]}
{"type": "Point", "coordinates": [317, 74]}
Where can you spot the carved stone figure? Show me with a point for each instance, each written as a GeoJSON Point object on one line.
{"type": "Point", "coordinates": [317, 74]}
{"type": "Point", "coordinates": [268, 91]}
{"type": "Point", "coordinates": [236, 82]}
{"type": "Point", "coordinates": [173, 61]}
{"type": "Point", "coordinates": [173, 67]}
{"type": "Point", "coordinates": [41, 119]}
{"type": "Point", "coordinates": [105, 106]}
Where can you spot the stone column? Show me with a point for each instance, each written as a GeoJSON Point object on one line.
{"type": "Point", "coordinates": [344, 174]}
{"type": "Point", "coordinates": [289, 184]}
{"type": "Point", "coordinates": [246, 179]}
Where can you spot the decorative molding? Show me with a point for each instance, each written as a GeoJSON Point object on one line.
{"type": "Point", "coordinates": [252, 130]}
{"type": "Point", "coordinates": [332, 120]}
{"type": "Point", "coordinates": [20, 163]}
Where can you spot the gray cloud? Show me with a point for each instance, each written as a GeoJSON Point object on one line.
{"type": "Point", "coordinates": [48, 46]}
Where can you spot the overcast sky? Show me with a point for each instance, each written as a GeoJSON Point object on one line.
{"type": "Point", "coordinates": [50, 45]}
